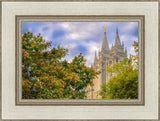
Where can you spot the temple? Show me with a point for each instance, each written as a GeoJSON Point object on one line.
{"type": "Point", "coordinates": [105, 57]}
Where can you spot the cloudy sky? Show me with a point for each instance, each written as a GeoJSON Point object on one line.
{"type": "Point", "coordinates": [84, 37]}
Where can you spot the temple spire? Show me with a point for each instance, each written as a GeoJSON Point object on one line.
{"type": "Point", "coordinates": [95, 59]}
{"type": "Point", "coordinates": [95, 55]}
{"type": "Point", "coordinates": [112, 47]}
{"type": "Point", "coordinates": [105, 29]}
{"type": "Point", "coordinates": [99, 53]}
{"type": "Point", "coordinates": [117, 31]}
{"type": "Point", "coordinates": [105, 45]}
{"type": "Point", "coordinates": [117, 40]}
{"type": "Point", "coordinates": [125, 52]}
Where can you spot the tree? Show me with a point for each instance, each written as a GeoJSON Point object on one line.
{"type": "Point", "coordinates": [124, 85]}
{"type": "Point", "coordinates": [46, 76]}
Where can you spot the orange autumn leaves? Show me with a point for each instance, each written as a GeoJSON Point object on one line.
{"type": "Point", "coordinates": [46, 76]}
{"type": "Point", "coordinates": [27, 84]}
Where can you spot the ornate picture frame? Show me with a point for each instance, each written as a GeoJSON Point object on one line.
{"type": "Point", "coordinates": [143, 16]}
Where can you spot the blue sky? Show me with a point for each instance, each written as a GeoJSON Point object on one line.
{"type": "Point", "coordinates": [84, 37]}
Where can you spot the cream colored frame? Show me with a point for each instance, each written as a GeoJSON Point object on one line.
{"type": "Point", "coordinates": [92, 112]}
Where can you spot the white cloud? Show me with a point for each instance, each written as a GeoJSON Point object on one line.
{"type": "Point", "coordinates": [129, 27]}
{"type": "Point", "coordinates": [79, 30]}
{"type": "Point", "coordinates": [30, 29]}
{"type": "Point", "coordinates": [90, 53]}
{"type": "Point", "coordinates": [74, 36]}
{"type": "Point", "coordinates": [131, 51]}
{"type": "Point", "coordinates": [91, 46]}
{"type": "Point", "coordinates": [65, 25]}
{"type": "Point", "coordinates": [126, 37]}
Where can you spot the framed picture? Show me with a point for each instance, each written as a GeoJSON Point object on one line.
{"type": "Point", "coordinates": [80, 60]}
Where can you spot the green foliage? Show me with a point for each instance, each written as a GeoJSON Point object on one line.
{"type": "Point", "coordinates": [46, 76]}
{"type": "Point", "coordinates": [124, 85]}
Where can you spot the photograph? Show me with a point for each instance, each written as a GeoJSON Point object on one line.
{"type": "Point", "coordinates": [80, 60]}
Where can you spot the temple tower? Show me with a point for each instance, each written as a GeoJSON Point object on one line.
{"type": "Point", "coordinates": [106, 57]}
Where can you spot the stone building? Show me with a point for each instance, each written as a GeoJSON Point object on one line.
{"type": "Point", "coordinates": [106, 57]}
